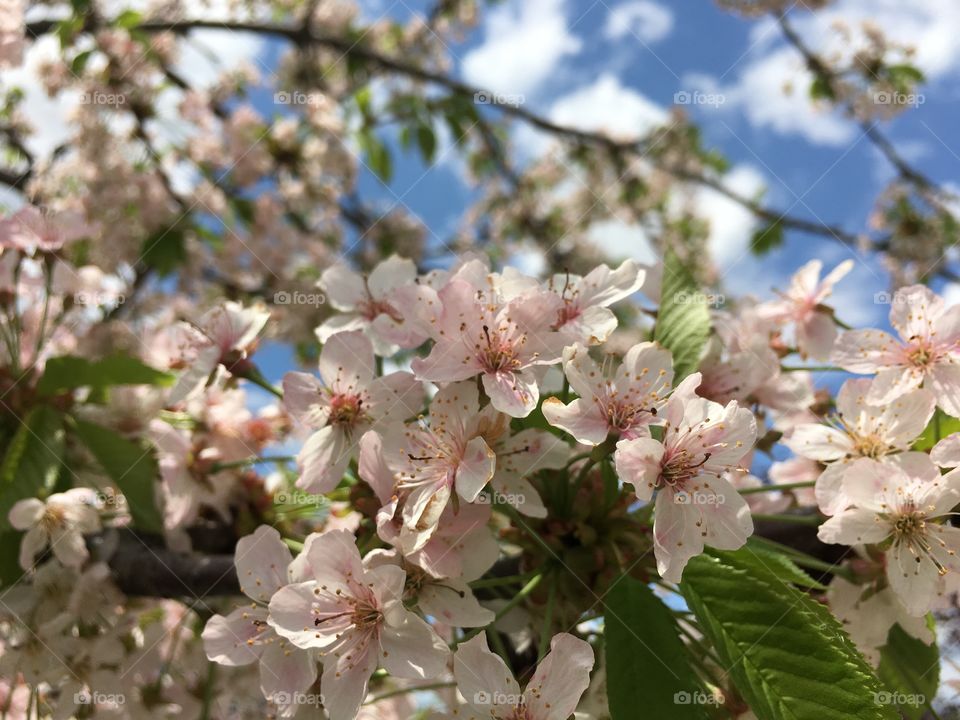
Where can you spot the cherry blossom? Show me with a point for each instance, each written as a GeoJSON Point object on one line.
{"type": "Point", "coordinates": [553, 692]}
{"type": "Point", "coordinates": [244, 636]}
{"type": "Point", "coordinates": [346, 401]}
{"type": "Point", "coordinates": [861, 429]}
{"type": "Point", "coordinates": [31, 230]}
{"type": "Point", "coordinates": [908, 512]}
{"type": "Point", "coordinates": [478, 333]}
{"type": "Point", "coordinates": [60, 522]}
{"type": "Point", "coordinates": [695, 504]}
{"type": "Point", "coordinates": [623, 405]}
{"type": "Point", "coordinates": [927, 353]}
{"type": "Point", "coordinates": [354, 617]}
{"type": "Point", "coordinates": [802, 304]}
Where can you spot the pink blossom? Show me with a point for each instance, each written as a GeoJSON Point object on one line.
{"type": "Point", "coordinates": [479, 333]}
{"type": "Point", "coordinates": [225, 335]}
{"type": "Point", "coordinates": [31, 230]}
{"type": "Point", "coordinates": [695, 504]}
{"type": "Point", "coordinates": [889, 504]}
{"type": "Point", "coordinates": [59, 522]}
{"type": "Point", "coordinates": [244, 636]}
{"type": "Point", "coordinates": [927, 353]}
{"type": "Point", "coordinates": [861, 429]}
{"type": "Point", "coordinates": [372, 304]}
{"type": "Point", "coordinates": [623, 405]}
{"type": "Point", "coordinates": [12, 33]}
{"type": "Point", "coordinates": [488, 686]}
{"type": "Point", "coordinates": [815, 329]}
{"type": "Point", "coordinates": [354, 616]}
{"type": "Point", "coordinates": [346, 402]}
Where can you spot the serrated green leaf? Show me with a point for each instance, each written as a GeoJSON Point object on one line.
{"type": "Point", "coordinates": [683, 321]}
{"type": "Point", "coordinates": [940, 426]}
{"type": "Point", "coordinates": [911, 671]}
{"type": "Point", "coordinates": [782, 566]}
{"type": "Point", "coordinates": [33, 459]}
{"type": "Point", "coordinates": [647, 664]}
{"type": "Point", "coordinates": [788, 656]}
{"type": "Point", "coordinates": [69, 372]}
{"type": "Point", "coordinates": [131, 467]}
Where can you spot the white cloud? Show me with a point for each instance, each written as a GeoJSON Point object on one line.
{"type": "Point", "coordinates": [608, 105]}
{"type": "Point", "coordinates": [621, 240]}
{"type": "Point", "coordinates": [648, 21]}
{"type": "Point", "coordinates": [523, 43]}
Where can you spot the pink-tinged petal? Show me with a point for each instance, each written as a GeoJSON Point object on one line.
{"type": "Point", "coordinates": [583, 419]}
{"type": "Point", "coordinates": [344, 683]}
{"type": "Point", "coordinates": [343, 287]}
{"type": "Point", "coordinates": [832, 278]}
{"type": "Point", "coordinates": [447, 362]}
{"type": "Point", "coordinates": [323, 459]}
{"type": "Point", "coordinates": [901, 421]}
{"type": "Point", "coordinates": [305, 399]}
{"type": "Point", "coordinates": [915, 583]}
{"type": "Point", "coordinates": [462, 545]}
{"type": "Point", "coordinates": [890, 383]}
{"type": "Point", "coordinates": [867, 483]}
{"type": "Point", "coordinates": [412, 649]}
{"type": "Point", "coordinates": [484, 679]}
{"type": "Point", "coordinates": [262, 560]}
{"type": "Point", "coordinates": [26, 513]}
{"type": "Point", "coordinates": [421, 308]}
{"type": "Point", "coordinates": [945, 453]}
{"type": "Point", "coordinates": [232, 640]}
{"type": "Point", "coordinates": [853, 526]}
{"type": "Point", "coordinates": [285, 671]}
{"type": "Point", "coordinates": [292, 614]}
{"type": "Point", "coordinates": [916, 465]}
{"type": "Point", "coordinates": [421, 513]}
{"type": "Point", "coordinates": [520, 494]}
{"type": "Point", "coordinates": [914, 311]}
{"type": "Point", "coordinates": [69, 547]}
{"type": "Point", "coordinates": [816, 336]}
{"type": "Point", "coordinates": [819, 442]}
{"type": "Point", "coordinates": [32, 544]}
{"type": "Point", "coordinates": [560, 679]}
{"type": "Point", "coordinates": [195, 376]}
{"type": "Point", "coordinates": [391, 273]}
{"type": "Point", "coordinates": [346, 363]}
{"type": "Point", "coordinates": [396, 397]}
{"type": "Point", "coordinates": [387, 583]}
{"type": "Point", "coordinates": [945, 384]}
{"type": "Point", "coordinates": [947, 326]}
{"type": "Point", "coordinates": [676, 537]}
{"type": "Point", "coordinates": [340, 324]}
{"type": "Point", "coordinates": [647, 369]}
{"type": "Point", "coordinates": [603, 287]}
{"type": "Point", "coordinates": [591, 327]}
{"type": "Point", "coordinates": [333, 557]}
{"type": "Point", "coordinates": [454, 407]}
{"type": "Point", "coordinates": [865, 351]}
{"type": "Point", "coordinates": [452, 602]}
{"type": "Point", "coordinates": [584, 375]}
{"type": "Point", "coordinates": [828, 490]}
{"type": "Point", "coordinates": [475, 469]}
{"type": "Point", "coordinates": [373, 468]}
{"type": "Point", "coordinates": [513, 393]}
{"type": "Point", "coordinates": [725, 515]}
{"type": "Point", "coordinates": [638, 463]}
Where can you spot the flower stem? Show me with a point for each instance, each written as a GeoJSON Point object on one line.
{"type": "Point", "coordinates": [545, 631]}
{"type": "Point", "coordinates": [770, 488]}
{"type": "Point", "coordinates": [793, 519]}
{"type": "Point", "coordinates": [217, 467]}
{"type": "Point", "coordinates": [511, 604]}
{"type": "Point", "coordinates": [811, 368]}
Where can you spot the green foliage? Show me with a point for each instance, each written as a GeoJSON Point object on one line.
{"type": "Point", "coordinates": [10, 570]}
{"type": "Point", "coordinates": [788, 656]}
{"type": "Point", "coordinates": [33, 459]}
{"type": "Point", "coordinates": [767, 238]}
{"type": "Point", "coordinates": [683, 322]}
{"type": "Point", "coordinates": [647, 664]}
{"type": "Point", "coordinates": [131, 467]}
{"type": "Point", "coordinates": [782, 566]}
{"type": "Point", "coordinates": [911, 671]}
{"type": "Point", "coordinates": [69, 372]}
{"type": "Point", "coordinates": [939, 427]}
{"type": "Point", "coordinates": [378, 157]}
{"type": "Point", "coordinates": [165, 250]}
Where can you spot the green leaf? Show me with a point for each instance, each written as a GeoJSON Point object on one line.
{"type": "Point", "coordinates": [377, 154]}
{"type": "Point", "coordinates": [10, 570]}
{"type": "Point", "coordinates": [128, 19]}
{"type": "Point", "coordinates": [767, 238]}
{"type": "Point", "coordinates": [647, 664]}
{"type": "Point", "coordinates": [820, 89]}
{"type": "Point", "coordinates": [69, 372]}
{"type": "Point", "coordinates": [33, 459]}
{"type": "Point", "coordinates": [782, 566]}
{"type": "Point", "coordinates": [427, 142]}
{"type": "Point", "coordinates": [131, 467]}
{"type": "Point", "coordinates": [911, 671]}
{"type": "Point", "coordinates": [165, 250]}
{"type": "Point", "coordinates": [940, 426]}
{"type": "Point", "coordinates": [683, 322]}
{"type": "Point", "coordinates": [788, 656]}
